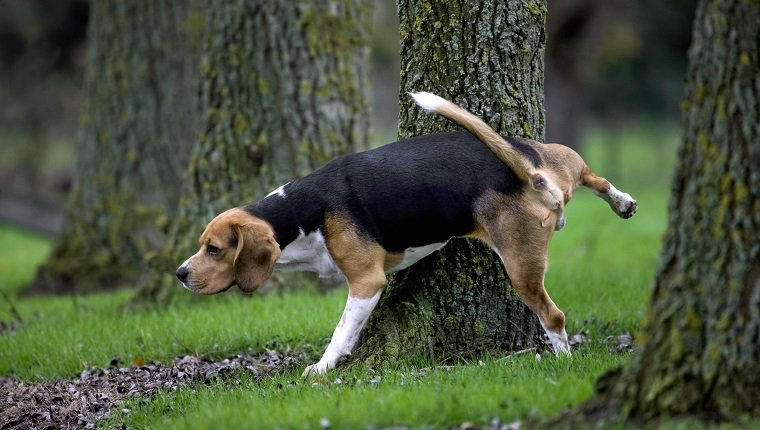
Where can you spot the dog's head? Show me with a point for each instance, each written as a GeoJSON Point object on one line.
{"type": "Point", "coordinates": [235, 248]}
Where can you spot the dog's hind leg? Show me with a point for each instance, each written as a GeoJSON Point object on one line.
{"type": "Point", "coordinates": [522, 245]}
{"type": "Point", "coordinates": [621, 203]}
{"type": "Point", "coordinates": [526, 273]}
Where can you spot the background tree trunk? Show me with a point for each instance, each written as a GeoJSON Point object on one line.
{"type": "Point", "coordinates": [133, 142]}
{"type": "Point", "coordinates": [282, 91]}
{"type": "Point", "coordinates": [700, 349]}
{"type": "Point", "coordinates": [487, 56]}
{"type": "Point", "coordinates": [577, 32]}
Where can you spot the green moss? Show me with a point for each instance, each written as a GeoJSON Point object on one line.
{"type": "Point", "coordinates": [720, 106]}
{"type": "Point", "coordinates": [676, 345]}
{"type": "Point", "coordinates": [240, 124]}
{"type": "Point", "coordinates": [699, 93]}
{"type": "Point", "coordinates": [740, 192]}
{"type": "Point", "coordinates": [718, 224]}
{"type": "Point", "coordinates": [724, 322]}
{"type": "Point", "coordinates": [693, 321]}
{"type": "Point", "coordinates": [527, 129]}
{"type": "Point", "coordinates": [263, 85]}
{"type": "Point", "coordinates": [536, 10]}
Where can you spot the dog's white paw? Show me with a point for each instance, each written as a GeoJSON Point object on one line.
{"type": "Point", "coordinates": [318, 368]}
{"type": "Point", "coordinates": [559, 342]}
{"type": "Point", "coordinates": [623, 204]}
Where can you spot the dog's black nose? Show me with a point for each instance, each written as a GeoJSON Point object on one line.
{"type": "Point", "coordinates": [181, 274]}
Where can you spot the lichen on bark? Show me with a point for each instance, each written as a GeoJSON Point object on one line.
{"type": "Point", "coordinates": [283, 89]}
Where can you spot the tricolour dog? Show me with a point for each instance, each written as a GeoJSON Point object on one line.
{"type": "Point", "coordinates": [364, 215]}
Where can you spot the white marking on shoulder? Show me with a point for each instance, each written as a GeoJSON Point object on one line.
{"type": "Point", "coordinates": [428, 101]}
{"type": "Point", "coordinates": [309, 253]}
{"type": "Point", "coordinates": [280, 191]}
{"type": "Point", "coordinates": [413, 255]}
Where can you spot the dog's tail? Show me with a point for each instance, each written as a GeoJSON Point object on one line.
{"type": "Point", "coordinates": [507, 153]}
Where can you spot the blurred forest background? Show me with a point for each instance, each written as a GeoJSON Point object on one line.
{"type": "Point", "coordinates": [612, 66]}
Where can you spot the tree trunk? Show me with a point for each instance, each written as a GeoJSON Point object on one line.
{"type": "Point", "coordinates": [578, 32]}
{"type": "Point", "coordinates": [132, 144]}
{"type": "Point", "coordinates": [700, 347]}
{"type": "Point", "coordinates": [282, 91]}
{"type": "Point", "coordinates": [487, 56]}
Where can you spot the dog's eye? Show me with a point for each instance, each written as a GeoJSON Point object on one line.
{"type": "Point", "coordinates": [212, 250]}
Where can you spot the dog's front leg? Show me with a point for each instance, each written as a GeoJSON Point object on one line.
{"type": "Point", "coordinates": [354, 318]}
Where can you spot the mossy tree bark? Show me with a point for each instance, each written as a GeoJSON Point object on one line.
{"type": "Point", "coordinates": [283, 89]}
{"type": "Point", "coordinates": [699, 351]}
{"type": "Point", "coordinates": [487, 56]}
{"type": "Point", "coordinates": [133, 142]}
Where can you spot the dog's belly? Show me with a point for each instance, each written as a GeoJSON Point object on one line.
{"type": "Point", "coordinates": [308, 253]}
{"type": "Point", "coordinates": [411, 256]}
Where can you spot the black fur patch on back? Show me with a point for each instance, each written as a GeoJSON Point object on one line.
{"type": "Point", "coordinates": [405, 194]}
{"type": "Point", "coordinates": [525, 149]}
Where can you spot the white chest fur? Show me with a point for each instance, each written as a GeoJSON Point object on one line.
{"type": "Point", "coordinates": [309, 253]}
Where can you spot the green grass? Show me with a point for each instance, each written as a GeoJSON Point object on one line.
{"type": "Point", "coordinates": [600, 272]}
{"type": "Point", "coordinates": [59, 336]}
{"type": "Point", "coordinates": [20, 255]}
{"type": "Point", "coordinates": [510, 389]}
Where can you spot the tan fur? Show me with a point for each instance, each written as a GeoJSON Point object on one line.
{"type": "Point", "coordinates": [508, 224]}
{"type": "Point", "coordinates": [361, 260]}
{"type": "Point", "coordinates": [589, 179]}
{"type": "Point", "coordinates": [249, 263]}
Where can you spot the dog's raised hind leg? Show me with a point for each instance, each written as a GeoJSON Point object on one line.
{"type": "Point", "coordinates": [621, 203]}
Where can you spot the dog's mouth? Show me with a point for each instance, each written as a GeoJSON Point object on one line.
{"type": "Point", "coordinates": [189, 287]}
{"type": "Point", "coordinates": [201, 289]}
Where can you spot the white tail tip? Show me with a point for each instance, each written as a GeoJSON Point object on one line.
{"type": "Point", "coordinates": [428, 101]}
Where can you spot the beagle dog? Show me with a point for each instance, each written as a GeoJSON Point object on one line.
{"type": "Point", "coordinates": [364, 215]}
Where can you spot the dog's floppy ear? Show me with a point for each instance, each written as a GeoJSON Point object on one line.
{"type": "Point", "coordinates": [257, 250]}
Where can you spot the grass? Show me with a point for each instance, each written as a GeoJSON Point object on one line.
{"type": "Point", "coordinates": [601, 269]}
{"type": "Point", "coordinates": [58, 336]}
{"type": "Point", "coordinates": [479, 392]}
{"type": "Point", "coordinates": [20, 256]}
